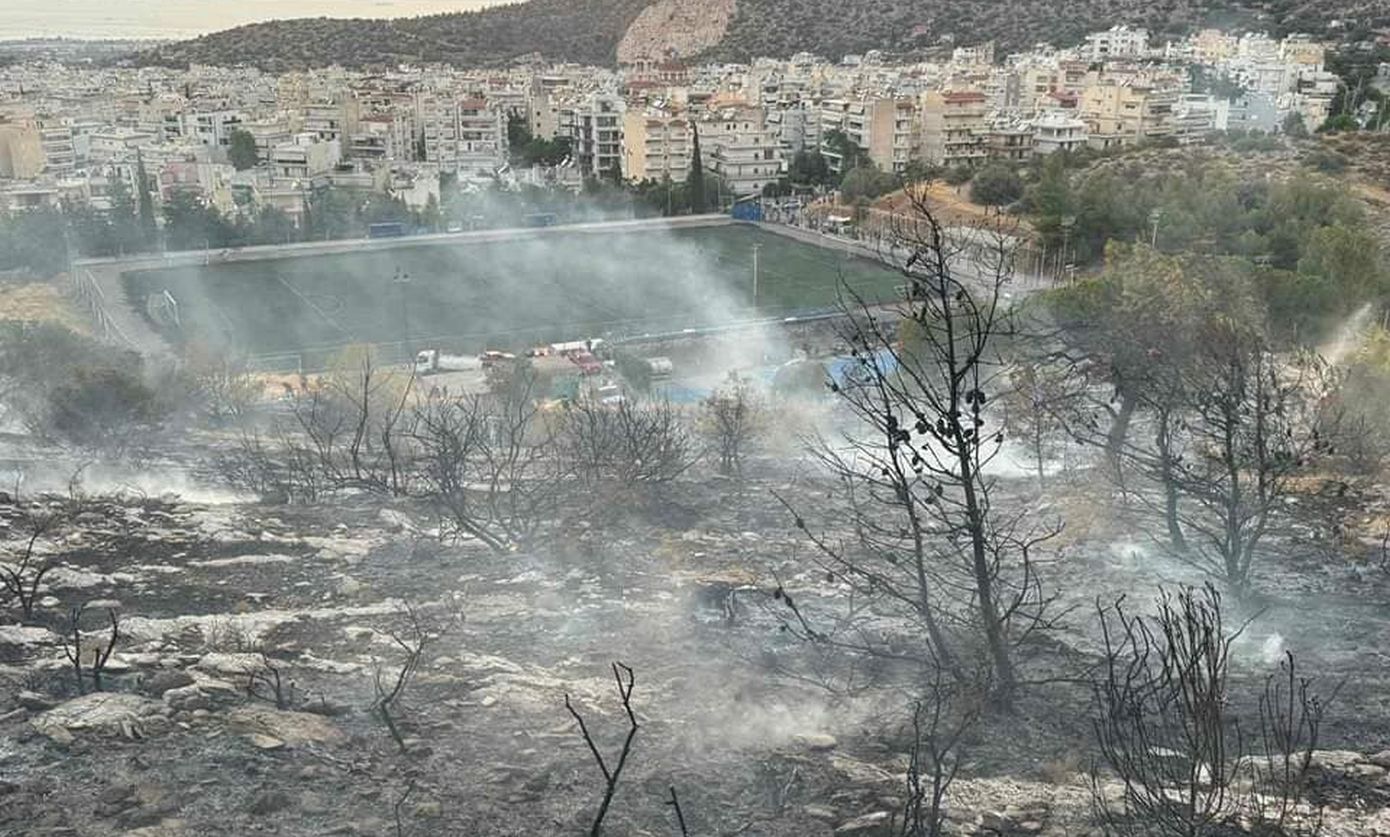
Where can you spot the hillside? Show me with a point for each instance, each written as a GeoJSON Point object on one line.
{"type": "Point", "coordinates": [584, 31]}
{"type": "Point", "coordinates": [598, 31]}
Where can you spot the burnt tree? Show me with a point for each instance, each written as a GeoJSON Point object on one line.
{"type": "Point", "coordinates": [927, 539]}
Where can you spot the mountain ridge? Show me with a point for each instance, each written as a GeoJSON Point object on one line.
{"type": "Point", "coordinates": [593, 31]}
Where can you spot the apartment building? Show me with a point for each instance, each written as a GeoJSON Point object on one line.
{"type": "Point", "coordinates": [596, 133]}
{"type": "Point", "coordinates": [1123, 114]}
{"type": "Point", "coordinates": [329, 119]}
{"type": "Point", "coordinates": [1116, 42]}
{"type": "Point", "coordinates": [382, 137]}
{"type": "Point", "coordinates": [306, 157]}
{"type": "Point", "coordinates": [162, 116]}
{"type": "Point", "coordinates": [886, 128]}
{"type": "Point", "coordinates": [1009, 141]}
{"type": "Point", "coordinates": [737, 147]}
{"type": "Point", "coordinates": [953, 126]}
{"type": "Point", "coordinates": [463, 135]}
{"type": "Point", "coordinates": [1058, 131]}
{"type": "Point", "coordinates": [656, 145]}
{"type": "Point", "coordinates": [59, 150]}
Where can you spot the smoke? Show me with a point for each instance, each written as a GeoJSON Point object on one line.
{"type": "Point", "coordinates": [1349, 335]}
{"type": "Point", "coordinates": [61, 475]}
{"type": "Point", "coordinates": [498, 289]}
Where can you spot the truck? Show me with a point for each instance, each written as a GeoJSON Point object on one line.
{"type": "Point", "coordinates": [433, 362]}
{"type": "Point", "coordinates": [587, 363]}
{"type": "Point", "coordinates": [661, 367]}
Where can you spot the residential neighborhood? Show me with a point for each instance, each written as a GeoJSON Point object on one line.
{"type": "Point", "coordinates": [242, 140]}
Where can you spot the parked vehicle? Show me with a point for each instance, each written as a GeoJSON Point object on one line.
{"type": "Point", "coordinates": [432, 362]}
{"type": "Point", "coordinates": [587, 363]}
{"type": "Point", "coordinates": [492, 357]}
{"type": "Point", "coordinates": [661, 367]}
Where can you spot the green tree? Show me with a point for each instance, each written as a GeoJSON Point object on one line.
{"type": "Point", "coordinates": [149, 228]}
{"type": "Point", "coordinates": [124, 218]}
{"type": "Point", "coordinates": [191, 224]}
{"type": "Point", "coordinates": [997, 184]}
{"type": "Point", "coordinates": [695, 180]}
{"type": "Point", "coordinates": [839, 144]}
{"type": "Point", "coordinates": [866, 182]}
{"type": "Point", "coordinates": [1340, 123]}
{"type": "Point", "coordinates": [1294, 126]}
{"type": "Point", "coordinates": [808, 168]}
{"type": "Point", "coordinates": [241, 150]}
{"type": "Point", "coordinates": [34, 241]}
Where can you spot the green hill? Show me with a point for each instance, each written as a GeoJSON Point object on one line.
{"type": "Point", "coordinates": [588, 31]}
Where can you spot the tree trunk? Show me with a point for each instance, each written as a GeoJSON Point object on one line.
{"type": "Point", "coordinates": [1119, 432]}
{"type": "Point", "coordinates": [1163, 442]}
{"type": "Point", "coordinates": [984, 582]}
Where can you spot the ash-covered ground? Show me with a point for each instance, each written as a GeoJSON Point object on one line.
{"type": "Point", "coordinates": [220, 598]}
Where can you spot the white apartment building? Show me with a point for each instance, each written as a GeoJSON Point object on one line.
{"type": "Point", "coordinates": [211, 127]}
{"type": "Point", "coordinates": [467, 136]}
{"type": "Point", "coordinates": [304, 158]}
{"type": "Point", "coordinates": [59, 152]}
{"type": "Point", "coordinates": [1057, 131]}
{"type": "Point", "coordinates": [1116, 42]}
{"type": "Point", "coordinates": [596, 132]}
{"type": "Point", "coordinates": [737, 147]}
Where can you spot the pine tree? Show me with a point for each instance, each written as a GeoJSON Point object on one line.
{"type": "Point", "coordinates": [149, 230]}
{"type": "Point", "coordinates": [695, 181]}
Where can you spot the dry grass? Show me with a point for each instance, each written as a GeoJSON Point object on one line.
{"type": "Point", "coordinates": [41, 302]}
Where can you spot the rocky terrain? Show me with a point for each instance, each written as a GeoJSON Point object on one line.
{"type": "Point", "coordinates": [219, 599]}
{"type": "Point", "coordinates": [679, 27]}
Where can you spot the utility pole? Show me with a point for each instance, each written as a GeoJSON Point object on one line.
{"type": "Point", "coordinates": [756, 247]}
{"type": "Point", "coordinates": [1068, 221]}
{"type": "Point", "coordinates": [402, 281]}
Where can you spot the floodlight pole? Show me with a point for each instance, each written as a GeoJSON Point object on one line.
{"type": "Point", "coordinates": [402, 280]}
{"type": "Point", "coordinates": [756, 247]}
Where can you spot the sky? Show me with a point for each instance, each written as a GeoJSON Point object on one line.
{"type": "Point", "coordinates": [189, 18]}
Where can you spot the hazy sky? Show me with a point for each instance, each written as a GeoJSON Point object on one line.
{"type": "Point", "coordinates": [187, 18]}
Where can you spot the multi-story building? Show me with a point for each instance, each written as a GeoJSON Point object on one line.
{"type": "Point", "coordinates": [656, 145]}
{"type": "Point", "coordinates": [211, 127]}
{"type": "Point", "coordinates": [885, 128]}
{"type": "Point", "coordinates": [737, 147]}
{"type": "Point", "coordinates": [1124, 114]}
{"type": "Point", "coordinates": [306, 157]}
{"type": "Point", "coordinates": [1196, 116]}
{"type": "Point", "coordinates": [1058, 131]}
{"type": "Point", "coordinates": [467, 136]}
{"type": "Point", "coordinates": [59, 151]}
{"type": "Point", "coordinates": [1252, 111]}
{"type": "Point", "coordinates": [953, 126]}
{"type": "Point", "coordinates": [381, 137]}
{"type": "Point", "coordinates": [1009, 141]}
{"type": "Point", "coordinates": [329, 120]}
{"type": "Point", "coordinates": [596, 135]}
{"type": "Point", "coordinates": [1116, 42]}
{"type": "Point", "coordinates": [1314, 92]}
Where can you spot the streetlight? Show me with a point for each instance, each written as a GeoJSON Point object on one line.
{"type": "Point", "coordinates": [402, 281]}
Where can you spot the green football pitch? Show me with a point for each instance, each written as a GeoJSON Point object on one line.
{"type": "Point", "coordinates": [506, 293]}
